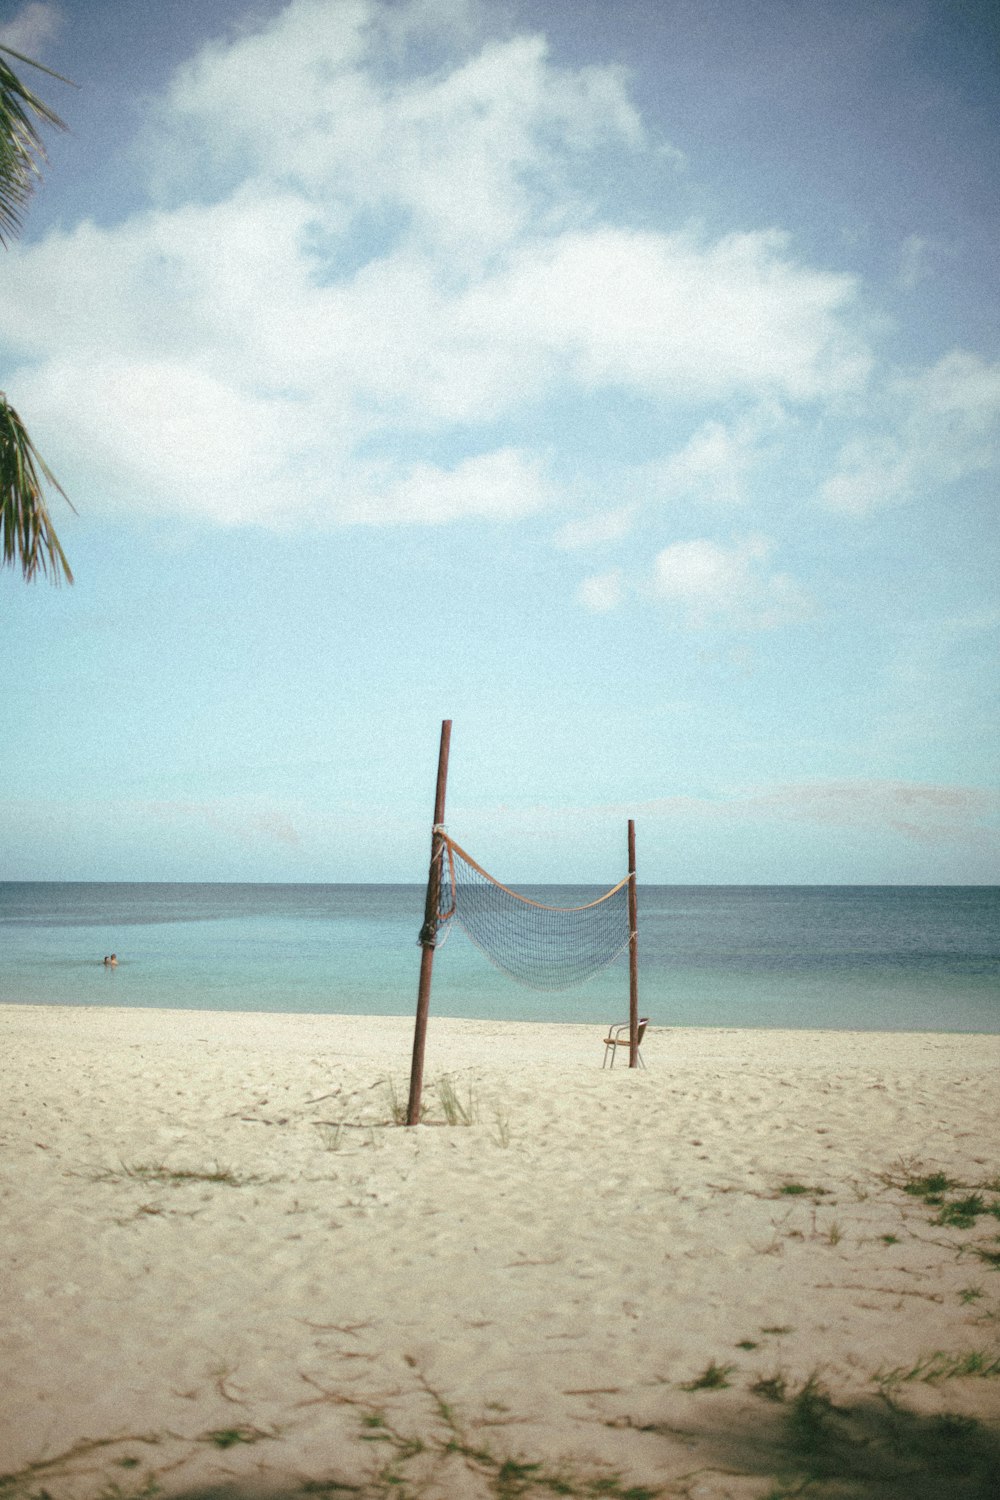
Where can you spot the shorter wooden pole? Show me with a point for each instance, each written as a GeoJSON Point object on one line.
{"type": "Point", "coordinates": [633, 954]}
{"type": "Point", "coordinates": [428, 933]}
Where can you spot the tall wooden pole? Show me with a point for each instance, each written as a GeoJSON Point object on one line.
{"type": "Point", "coordinates": [428, 933]}
{"type": "Point", "coordinates": [633, 954]}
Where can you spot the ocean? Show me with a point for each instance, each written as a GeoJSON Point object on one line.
{"type": "Point", "coordinates": [884, 958]}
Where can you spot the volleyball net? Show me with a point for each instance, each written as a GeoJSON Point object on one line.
{"type": "Point", "coordinates": [541, 946]}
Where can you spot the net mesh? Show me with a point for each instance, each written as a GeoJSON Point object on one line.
{"type": "Point", "coordinates": [543, 947]}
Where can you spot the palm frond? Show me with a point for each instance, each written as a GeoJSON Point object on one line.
{"type": "Point", "coordinates": [22, 57]}
{"type": "Point", "coordinates": [27, 535]}
{"type": "Point", "coordinates": [22, 150]}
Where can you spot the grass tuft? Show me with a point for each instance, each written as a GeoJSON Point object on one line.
{"type": "Point", "coordinates": [455, 1111]}
{"type": "Point", "coordinates": [165, 1176]}
{"type": "Point", "coordinates": [501, 1122]}
{"type": "Point", "coordinates": [958, 1205]}
{"type": "Point", "coordinates": [809, 1418]}
{"type": "Point", "coordinates": [230, 1437]}
{"type": "Point", "coordinates": [332, 1136]}
{"type": "Point", "coordinates": [932, 1185]}
{"type": "Point", "coordinates": [962, 1213]}
{"type": "Point", "coordinates": [712, 1378]}
{"type": "Point", "coordinates": [771, 1387]}
{"type": "Point", "coordinates": [397, 1105]}
{"type": "Point", "coordinates": [932, 1368]}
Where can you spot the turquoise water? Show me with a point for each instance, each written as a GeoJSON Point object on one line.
{"type": "Point", "coordinates": [892, 958]}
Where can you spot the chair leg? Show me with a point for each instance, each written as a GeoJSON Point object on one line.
{"type": "Point", "coordinates": [612, 1047]}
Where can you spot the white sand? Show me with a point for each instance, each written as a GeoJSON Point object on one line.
{"type": "Point", "coordinates": [543, 1283]}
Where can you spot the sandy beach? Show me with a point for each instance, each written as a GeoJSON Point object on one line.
{"type": "Point", "coordinates": [765, 1266]}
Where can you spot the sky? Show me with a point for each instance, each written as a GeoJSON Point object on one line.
{"type": "Point", "coordinates": [620, 381]}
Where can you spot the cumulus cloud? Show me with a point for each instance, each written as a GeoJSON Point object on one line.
{"type": "Point", "coordinates": [676, 314]}
{"type": "Point", "coordinates": [182, 440]}
{"type": "Point", "coordinates": [598, 529]}
{"type": "Point", "coordinates": [471, 153]}
{"type": "Point", "coordinates": [937, 426]}
{"type": "Point", "coordinates": [372, 235]}
{"type": "Point", "coordinates": [716, 462]}
{"type": "Point", "coordinates": [602, 591]}
{"type": "Point", "coordinates": [712, 585]}
{"type": "Point", "coordinates": [500, 486]}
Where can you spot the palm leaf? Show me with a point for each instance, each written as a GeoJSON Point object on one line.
{"type": "Point", "coordinates": [27, 535]}
{"type": "Point", "coordinates": [21, 148]}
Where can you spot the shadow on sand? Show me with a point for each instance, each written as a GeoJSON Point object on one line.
{"type": "Point", "coordinates": [873, 1450]}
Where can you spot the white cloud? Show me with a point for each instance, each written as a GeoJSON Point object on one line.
{"type": "Point", "coordinates": [717, 460]}
{"type": "Point", "coordinates": [374, 255]}
{"type": "Point", "coordinates": [602, 592]}
{"type": "Point", "coordinates": [963, 391]}
{"type": "Point", "coordinates": [913, 267]}
{"type": "Point", "coordinates": [936, 427]}
{"type": "Point", "coordinates": [395, 252]}
{"type": "Point", "coordinates": [597, 529]}
{"type": "Point", "coordinates": [500, 486]}
{"type": "Point", "coordinates": [168, 437]}
{"type": "Point", "coordinates": [712, 463]}
{"type": "Point", "coordinates": [183, 440]}
{"type": "Point", "coordinates": [729, 587]}
{"type": "Point", "coordinates": [470, 153]}
{"type": "Point", "coordinates": [33, 26]}
{"type": "Point", "coordinates": [675, 315]}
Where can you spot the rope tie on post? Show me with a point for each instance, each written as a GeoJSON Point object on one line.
{"type": "Point", "coordinates": [428, 937]}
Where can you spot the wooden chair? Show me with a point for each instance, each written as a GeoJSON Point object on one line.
{"type": "Point", "coordinates": [618, 1036]}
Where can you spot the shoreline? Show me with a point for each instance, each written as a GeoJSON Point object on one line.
{"type": "Point", "coordinates": [396, 1018]}
{"type": "Point", "coordinates": [228, 1268]}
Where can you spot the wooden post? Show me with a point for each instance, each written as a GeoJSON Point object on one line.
{"type": "Point", "coordinates": [633, 954]}
{"type": "Point", "coordinates": [428, 933]}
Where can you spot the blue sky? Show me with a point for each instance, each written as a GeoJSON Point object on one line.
{"type": "Point", "coordinates": [620, 381]}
